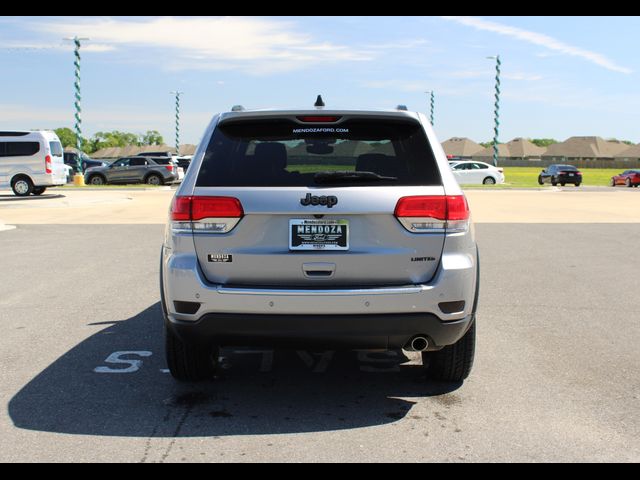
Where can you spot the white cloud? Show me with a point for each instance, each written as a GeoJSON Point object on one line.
{"type": "Point", "coordinates": [540, 40]}
{"type": "Point", "coordinates": [255, 45]}
{"type": "Point", "coordinates": [93, 47]}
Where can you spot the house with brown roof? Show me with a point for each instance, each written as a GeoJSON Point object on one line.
{"type": "Point", "coordinates": [630, 157]}
{"type": "Point", "coordinates": [585, 152]}
{"type": "Point", "coordinates": [517, 152]}
{"type": "Point", "coordinates": [461, 147]}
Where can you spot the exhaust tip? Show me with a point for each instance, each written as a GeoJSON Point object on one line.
{"type": "Point", "coordinates": [419, 344]}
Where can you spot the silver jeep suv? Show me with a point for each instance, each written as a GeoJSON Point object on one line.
{"type": "Point", "coordinates": [320, 228]}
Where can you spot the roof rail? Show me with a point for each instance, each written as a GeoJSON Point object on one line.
{"type": "Point", "coordinates": [237, 108]}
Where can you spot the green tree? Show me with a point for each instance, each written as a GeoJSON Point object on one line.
{"type": "Point", "coordinates": [152, 137]}
{"type": "Point", "coordinates": [115, 138]}
{"type": "Point", "coordinates": [67, 136]}
{"type": "Point", "coordinates": [543, 142]}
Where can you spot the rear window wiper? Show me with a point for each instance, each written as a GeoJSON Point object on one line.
{"type": "Point", "coordinates": [350, 176]}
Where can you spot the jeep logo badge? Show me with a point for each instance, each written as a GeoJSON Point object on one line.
{"type": "Point", "coordinates": [329, 201]}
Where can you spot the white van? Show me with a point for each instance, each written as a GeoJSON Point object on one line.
{"type": "Point", "coordinates": [31, 161]}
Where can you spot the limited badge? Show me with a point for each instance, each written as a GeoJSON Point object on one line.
{"type": "Point", "coordinates": [220, 257]}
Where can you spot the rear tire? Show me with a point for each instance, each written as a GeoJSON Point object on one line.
{"type": "Point", "coordinates": [577, 184]}
{"type": "Point", "coordinates": [454, 362]}
{"type": "Point", "coordinates": [189, 363]}
{"type": "Point", "coordinates": [489, 181]}
{"type": "Point", "coordinates": [154, 179]}
{"type": "Point", "coordinates": [97, 180]}
{"type": "Point", "coordinates": [628, 182]}
{"type": "Point", "coordinates": [39, 190]}
{"type": "Point", "coordinates": [612, 183]}
{"type": "Point", "coordinates": [22, 186]}
{"type": "Point", "coordinates": [540, 182]}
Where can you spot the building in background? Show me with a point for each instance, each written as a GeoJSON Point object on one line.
{"type": "Point", "coordinates": [459, 148]}
{"type": "Point", "coordinates": [518, 152]}
{"type": "Point", "coordinates": [585, 152]}
{"type": "Point", "coordinates": [113, 153]}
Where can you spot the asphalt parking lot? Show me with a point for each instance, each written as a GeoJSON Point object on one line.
{"type": "Point", "coordinates": [556, 377]}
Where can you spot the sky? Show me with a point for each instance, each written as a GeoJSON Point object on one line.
{"type": "Point", "coordinates": [560, 76]}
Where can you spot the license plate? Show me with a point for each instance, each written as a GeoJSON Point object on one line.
{"type": "Point", "coordinates": [318, 235]}
{"type": "Point", "coordinates": [571, 174]}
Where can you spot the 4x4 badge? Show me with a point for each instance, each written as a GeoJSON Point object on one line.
{"type": "Point", "coordinates": [329, 201]}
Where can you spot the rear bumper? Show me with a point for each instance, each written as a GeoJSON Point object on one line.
{"type": "Point", "coordinates": [387, 331]}
{"type": "Point", "coordinates": [352, 318]}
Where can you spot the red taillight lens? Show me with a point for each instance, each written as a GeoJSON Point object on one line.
{"type": "Point", "coordinates": [422, 207]}
{"type": "Point", "coordinates": [215, 207]}
{"type": "Point", "coordinates": [47, 164]}
{"type": "Point", "coordinates": [457, 208]}
{"type": "Point", "coordinates": [452, 207]}
{"type": "Point", "coordinates": [169, 167]}
{"type": "Point", "coordinates": [187, 209]}
{"type": "Point", "coordinates": [205, 215]}
{"type": "Point", "coordinates": [318, 119]}
{"type": "Point", "coordinates": [181, 209]}
{"type": "Point", "coordinates": [434, 213]}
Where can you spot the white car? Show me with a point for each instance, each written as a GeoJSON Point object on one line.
{"type": "Point", "coordinates": [31, 161]}
{"type": "Point", "coordinates": [472, 172]}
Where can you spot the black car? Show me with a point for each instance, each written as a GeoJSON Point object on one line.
{"type": "Point", "coordinates": [71, 159]}
{"type": "Point", "coordinates": [560, 174]}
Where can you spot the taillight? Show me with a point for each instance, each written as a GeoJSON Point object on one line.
{"type": "Point", "coordinates": [169, 167]}
{"type": "Point", "coordinates": [205, 214]}
{"type": "Point", "coordinates": [433, 214]}
{"type": "Point", "coordinates": [47, 164]}
{"type": "Point", "coordinates": [318, 119]}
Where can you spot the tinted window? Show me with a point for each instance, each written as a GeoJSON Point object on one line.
{"type": "Point", "coordinates": [480, 166]}
{"type": "Point", "coordinates": [19, 149]}
{"type": "Point", "coordinates": [281, 152]}
{"type": "Point", "coordinates": [56, 149]}
{"type": "Point", "coordinates": [138, 162]}
{"type": "Point", "coordinates": [163, 161]}
{"type": "Point", "coordinates": [123, 162]}
{"type": "Point", "coordinates": [568, 168]}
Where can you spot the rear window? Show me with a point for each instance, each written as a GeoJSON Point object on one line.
{"type": "Point", "coordinates": [56, 149]}
{"type": "Point", "coordinates": [163, 161]}
{"type": "Point", "coordinates": [281, 152]}
{"type": "Point", "coordinates": [568, 168]}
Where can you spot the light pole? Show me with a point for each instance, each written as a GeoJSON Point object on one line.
{"type": "Point", "coordinates": [177, 94]}
{"type": "Point", "coordinates": [496, 111]}
{"type": "Point", "coordinates": [433, 103]}
{"type": "Point", "coordinates": [78, 124]}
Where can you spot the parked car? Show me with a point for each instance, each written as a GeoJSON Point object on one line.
{"type": "Point", "coordinates": [283, 233]}
{"type": "Point", "coordinates": [183, 161]}
{"type": "Point", "coordinates": [170, 161]}
{"type": "Point", "coordinates": [31, 161]}
{"type": "Point", "coordinates": [630, 178]}
{"type": "Point", "coordinates": [472, 172]}
{"type": "Point", "coordinates": [71, 159]}
{"type": "Point", "coordinates": [69, 173]}
{"type": "Point", "coordinates": [132, 170]}
{"type": "Point", "coordinates": [560, 174]}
